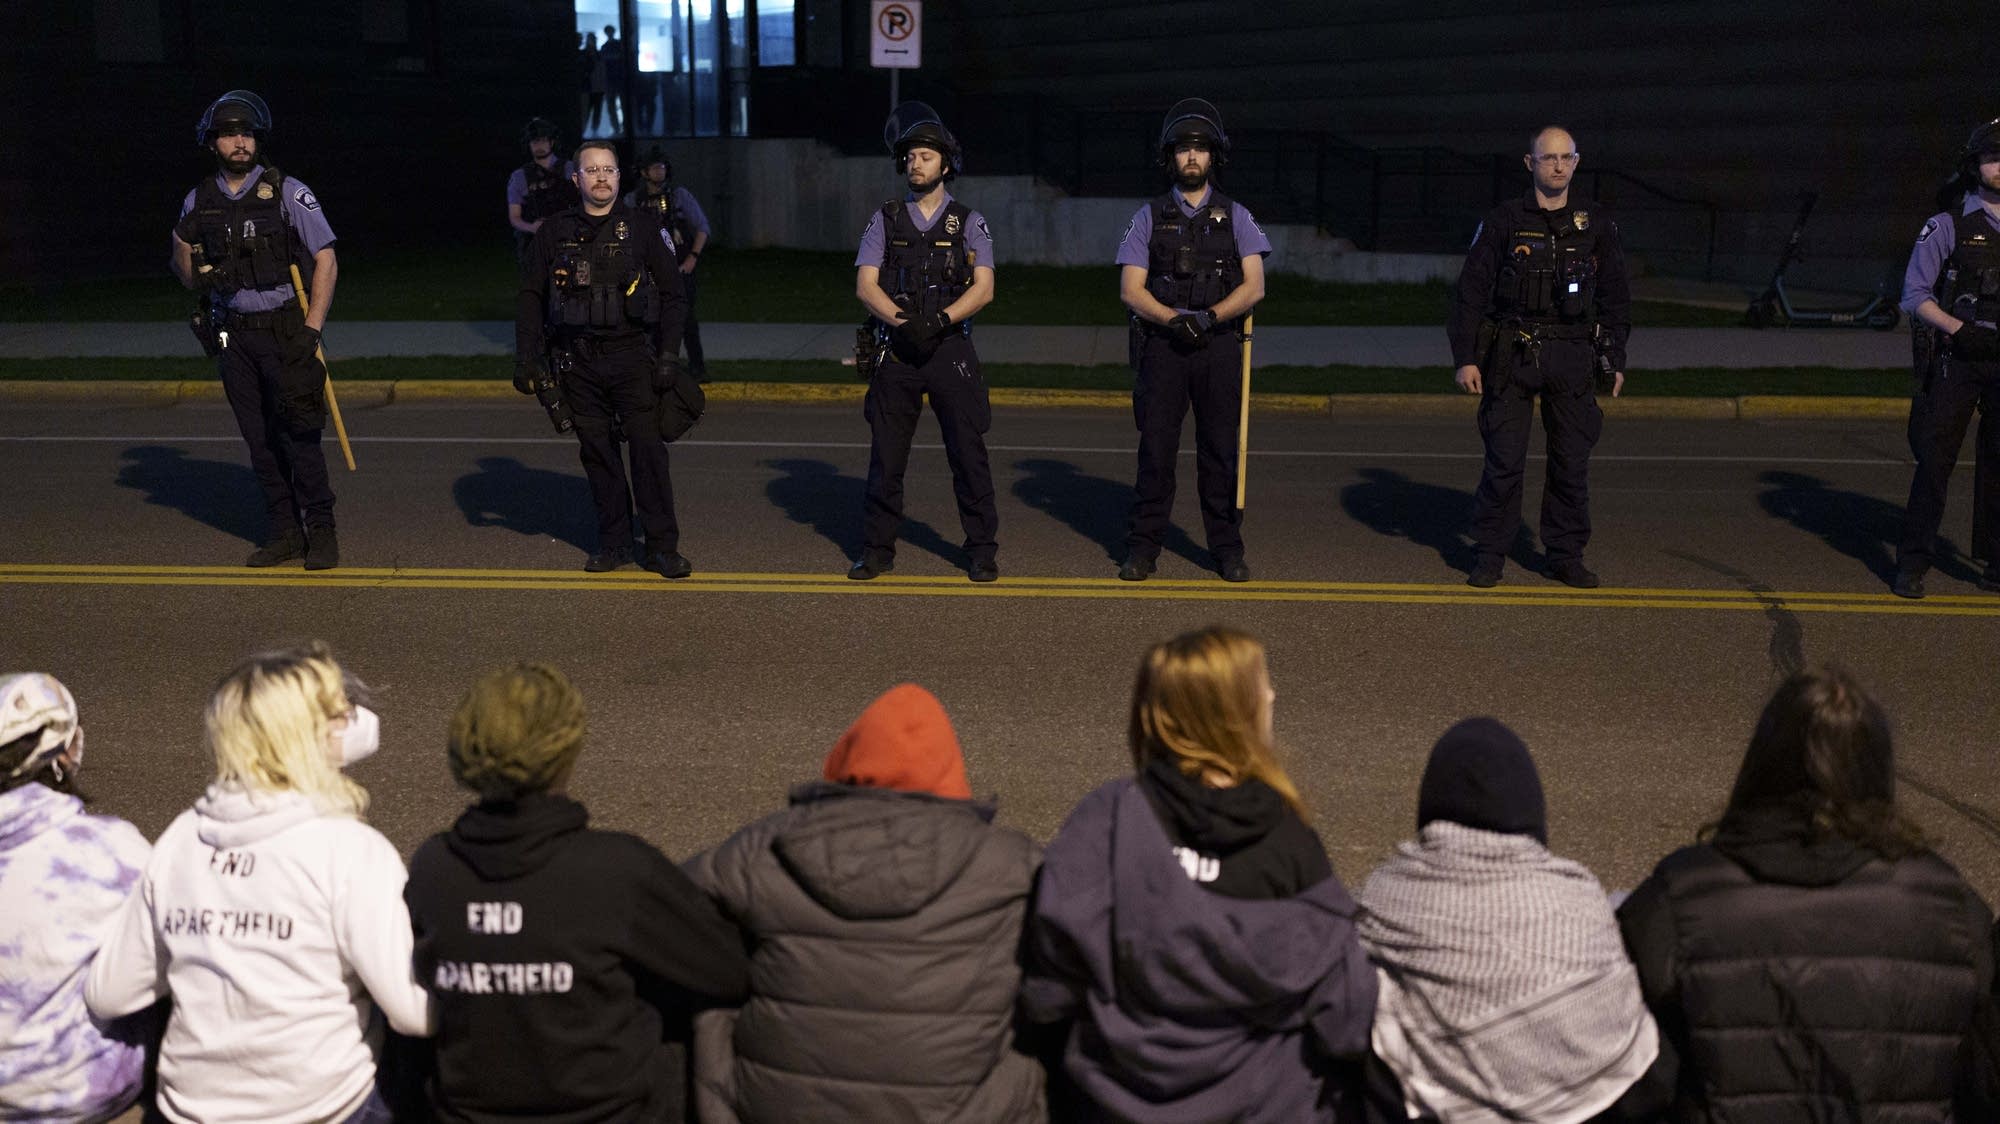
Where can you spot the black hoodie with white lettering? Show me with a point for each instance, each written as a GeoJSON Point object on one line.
{"type": "Point", "coordinates": [565, 964]}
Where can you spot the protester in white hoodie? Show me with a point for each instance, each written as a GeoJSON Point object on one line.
{"type": "Point", "coordinates": [271, 914]}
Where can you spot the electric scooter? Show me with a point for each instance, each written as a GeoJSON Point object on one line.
{"type": "Point", "coordinates": [1774, 304]}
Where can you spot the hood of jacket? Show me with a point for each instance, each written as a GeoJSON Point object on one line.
{"type": "Point", "coordinates": [1216, 820]}
{"type": "Point", "coordinates": [32, 809]}
{"type": "Point", "coordinates": [869, 853]}
{"type": "Point", "coordinates": [1778, 843]}
{"type": "Point", "coordinates": [235, 816]}
{"type": "Point", "coordinates": [507, 839]}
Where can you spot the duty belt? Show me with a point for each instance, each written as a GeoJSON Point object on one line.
{"type": "Point", "coordinates": [255, 321]}
{"type": "Point", "coordinates": [1550, 331]}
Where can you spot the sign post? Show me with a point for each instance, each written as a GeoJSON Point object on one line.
{"type": "Point", "coordinates": [896, 41]}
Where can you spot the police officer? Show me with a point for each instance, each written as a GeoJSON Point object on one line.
{"type": "Point", "coordinates": [1542, 308]}
{"type": "Point", "coordinates": [597, 323]}
{"type": "Point", "coordinates": [1190, 269]}
{"type": "Point", "coordinates": [925, 266]}
{"type": "Point", "coordinates": [1953, 287]}
{"type": "Point", "coordinates": [240, 233]}
{"type": "Point", "coordinates": [681, 217]}
{"type": "Point", "coordinates": [541, 187]}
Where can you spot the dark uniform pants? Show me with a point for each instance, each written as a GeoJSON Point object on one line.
{"type": "Point", "coordinates": [1573, 421]}
{"type": "Point", "coordinates": [950, 377]}
{"type": "Point", "coordinates": [691, 332]}
{"type": "Point", "coordinates": [1171, 379]}
{"type": "Point", "coordinates": [275, 389]}
{"type": "Point", "coordinates": [1938, 421]}
{"type": "Point", "coordinates": [611, 390]}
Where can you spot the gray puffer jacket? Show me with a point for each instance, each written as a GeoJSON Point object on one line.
{"type": "Point", "coordinates": [884, 931]}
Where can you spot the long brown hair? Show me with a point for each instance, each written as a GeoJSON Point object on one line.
{"type": "Point", "coordinates": [1824, 740]}
{"type": "Point", "coordinates": [1198, 703]}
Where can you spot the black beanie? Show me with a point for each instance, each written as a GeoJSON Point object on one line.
{"type": "Point", "coordinates": [1480, 776]}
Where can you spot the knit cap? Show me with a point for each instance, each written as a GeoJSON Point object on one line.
{"type": "Point", "coordinates": [1480, 776]}
{"type": "Point", "coordinates": [516, 732]}
{"type": "Point", "coordinates": [903, 741]}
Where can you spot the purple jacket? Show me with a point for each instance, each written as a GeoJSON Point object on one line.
{"type": "Point", "coordinates": [1188, 1006]}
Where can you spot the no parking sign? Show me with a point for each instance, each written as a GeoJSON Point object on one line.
{"type": "Point", "coordinates": [896, 35]}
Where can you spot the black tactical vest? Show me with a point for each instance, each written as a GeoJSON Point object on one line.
{"type": "Point", "coordinates": [924, 271]}
{"type": "Point", "coordinates": [1969, 286]}
{"type": "Point", "coordinates": [665, 206]}
{"type": "Point", "coordinates": [243, 243]}
{"type": "Point", "coordinates": [548, 191]}
{"type": "Point", "coordinates": [1193, 262]}
{"type": "Point", "coordinates": [1549, 273]}
{"type": "Point", "coordinates": [598, 282]}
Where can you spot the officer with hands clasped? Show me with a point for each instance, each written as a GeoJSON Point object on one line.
{"type": "Point", "coordinates": [596, 329]}
{"type": "Point", "coordinates": [240, 233]}
{"type": "Point", "coordinates": [1953, 287]}
{"type": "Point", "coordinates": [542, 186]}
{"type": "Point", "coordinates": [1542, 308]}
{"type": "Point", "coordinates": [925, 266]}
{"type": "Point", "coordinates": [1191, 268]}
{"type": "Point", "coordinates": [687, 226]}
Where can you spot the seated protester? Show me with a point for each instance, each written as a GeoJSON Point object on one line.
{"type": "Point", "coordinates": [562, 960]}
{"type": "Point", "coordinates": [883, 910]}
{"type": "Point", "coordinates": [271, 914]}
{"type": "Point", "coordinates": [1186, 920]}
{"type": "Point", "coordinates": [63, 875]}
{"type": "Point", "coordinates": [1505, 993]}
{"type": "Point", "coordinates": [1813, 959]}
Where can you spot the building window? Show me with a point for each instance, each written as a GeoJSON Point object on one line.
{"type": "Point", "coordinates": [777, 33]}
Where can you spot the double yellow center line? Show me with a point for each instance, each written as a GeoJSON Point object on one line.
{"type": "Point", "coordinates": [1533, 592]}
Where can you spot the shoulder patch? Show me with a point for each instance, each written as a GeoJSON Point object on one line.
{"type": "Point", "coordinates": [1929, 229]}
{"type": "Point", "coordinates": [304, 198]}
{"type": "Point", "coordinates": [979, 223]}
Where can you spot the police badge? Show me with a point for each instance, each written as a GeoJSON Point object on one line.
{"type": "Point", "coordinates": [1580, 219]}
{"type": "Point", "coordinates": [951, 224]}
{"type": "Point", "coordinates": [264, 191]}
{"type": "Point", "coordinates": [621, 230]}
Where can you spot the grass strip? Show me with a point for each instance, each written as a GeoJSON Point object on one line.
{"type": "Point", "coordinates": [1723, 382]}
{"type": "Point", "coordinates": [761, 286]}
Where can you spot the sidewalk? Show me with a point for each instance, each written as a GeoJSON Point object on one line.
{"type": "Point", "coordinates": [1651, 348]}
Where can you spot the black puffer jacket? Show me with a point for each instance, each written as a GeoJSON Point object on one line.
{"type": "Point", "coordinates": [1807, 981]}
{"type": "Point", "coordinates": [884, 932]}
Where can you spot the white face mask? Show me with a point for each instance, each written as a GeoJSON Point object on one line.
{"type": "Point", "coordinates": [362, 737]}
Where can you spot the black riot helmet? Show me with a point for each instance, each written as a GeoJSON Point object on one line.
{"type": "Point", "coordinates": [539, 128]}
{"type": "Point", "coordinates": [240, 108]}
{"type": "Point", "coordinates": [1194, 119]}
{"type": "Point", "coordinates": [914, 124]}
{"type": "Point", "coordinates": [1985, 139]}
{"type": "Point", "coordinates": [656, 155]}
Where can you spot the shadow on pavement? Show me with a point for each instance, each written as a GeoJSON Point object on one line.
{"type": "Point", "coordinates": [814, 493]}
{"type": "Point", "coordinates": [1094, 507]}
{"type": "Point", "coordinates": [1864, 528]}
{"type": "Point", "coordinates": [222, 494]}
{"type": "Point", "coordinates": [1431, 515]}
{"type": "Point", "coordinates": [503, 492]}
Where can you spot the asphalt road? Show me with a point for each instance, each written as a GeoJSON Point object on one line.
{"type": "Point", "coordinates": [1732, 552]}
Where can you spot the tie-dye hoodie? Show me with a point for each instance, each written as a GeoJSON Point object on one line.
{"type": "Point", "coordinates": [63, 875]}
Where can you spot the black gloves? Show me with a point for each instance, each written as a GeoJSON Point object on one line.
{"type": "Point", "coordinates": [300, 346]}
{"type": "Point", "coordinates": [1977, 343]}
{"type": "Point", "coordinates": [1190, 329]}
{"type": "Point", "coordinates": [915, 332]}
{"type": "Point", "coordinates": [528, 372]}
{"type": "Point", "coordinates": [666, 372]}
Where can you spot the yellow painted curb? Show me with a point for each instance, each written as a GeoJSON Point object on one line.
{"type": "Point", "coordinates": [785, 391]}
{"type": "Point", "coordinates": [1820, 406]}
{"type": "Point", "coordinates": [435, 390]}
{"type": "Point", "coordinates": [56, 390]}
{"type": "Point", "coordinates": [1719, 408]}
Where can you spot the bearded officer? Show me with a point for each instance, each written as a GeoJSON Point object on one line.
{"type": "Point", "coordinates": [1542, 309]}
{"type": "Point", "coordinates": [1190, 269]}
{"type": "Point", "coordinates": [542, 186]}
{"type": "Point", "coordinates": [240, 233]}
{"type": "Point", "coordinates": [598, 320]}
{"type": "Point", "coordinates": [1952, 286]}
{"type": "Point", "coordinates": [925, 266]}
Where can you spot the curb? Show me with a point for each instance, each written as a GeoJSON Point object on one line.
{"type": "Point", "coordinates": [373, 393]}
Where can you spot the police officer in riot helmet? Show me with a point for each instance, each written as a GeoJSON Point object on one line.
{"type": "Point", "coordinates": [1542, 309]}
{"type": "Point", "coordinates": [925, 266]}
{"type": "Point", "coordinates": [596, 337]}
{"type": "Point", "coordinates": [1952, 292]}
{"type": "Point", "coordinates": [1191, 268]}
{"type": "Point", "coordinates": [542, 186]}
{"type": "Point", "coordinates": [240, 233]}
{"type": "Point", "coordinates": [684, 222]}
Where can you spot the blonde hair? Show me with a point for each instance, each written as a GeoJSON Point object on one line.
{"type": "Point", "coordinates": [268, 722]}
{"type": "Point", "coordinates": [1198, 704]}
{"type": "Point", "coordinates": [517, 731]}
